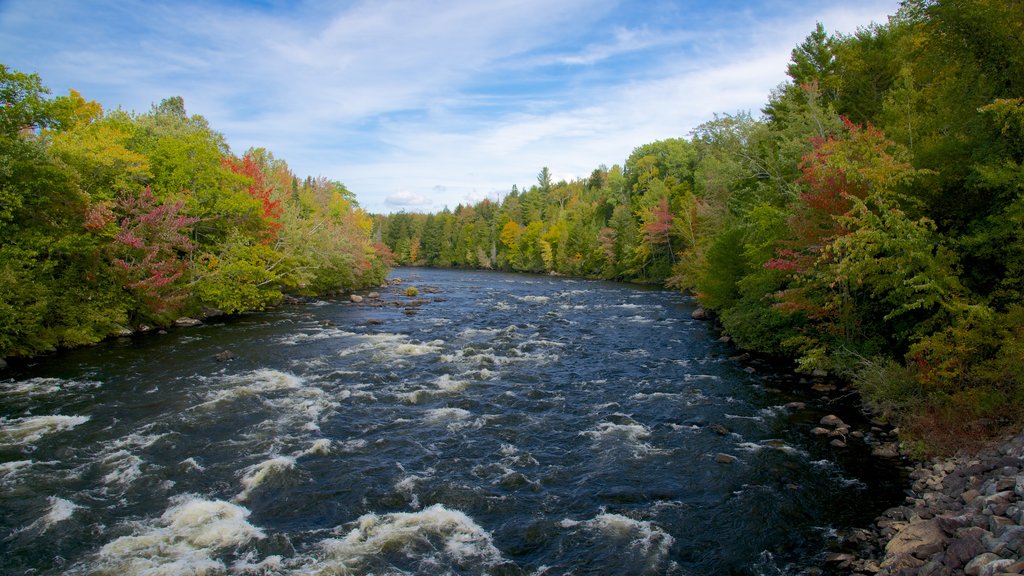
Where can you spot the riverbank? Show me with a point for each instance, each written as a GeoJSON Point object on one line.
{"type": "Point", "coordinates": [962, 515]}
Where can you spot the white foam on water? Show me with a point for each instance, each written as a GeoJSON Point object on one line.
{"type": "Point", "coordinates": [270, 565]}
{"type": "Point", "coordinates": [22, 431]}
{"type": "Point", "coordinates": [443, 384]}
{"type": "Point", "coordinates": [638, 319]}
{"type": "Point", "coordinates": [646, 538]}
{"type": "Point", "coordinates": [191, 464]}
{"type": "Point", "coordinates": [740, 417]}
{"type": "Point", "coordinates": [407, 487]}
{"type": "Point", "coordinates": [353, 445]}
{"type": "Point", "coordinates": [610, 430]}
{"type": "Point", "coordinates": [124, 467]}
{"type": "Point", "coordinates": [320, 447]}
{"type": "Point", "coordinates": [41, 387]}
{"type": "Point", "coordinates": [302, 337]}
{"type": "Point", "coordinates": [59, 511]}
{"type": "Point", "coordinates": [657, 396]}
{"type": "Point", "coordinates": [512, 455]}
{"type": "Point", "coordinates": [10, 470]}
{"type": "Point", "coordinates": [257, 474]}
{"type": "Point", "coordinates": [184, 540]}
{"type": "Point", "coordinates": [535, 299]}
{"type": "Point", "coordinates": [434, 536]}
{"type": "Point", "coordinates": [413, 349]}
{"type": "Point", "coordinates": [771, 444]}
{"type": "Point", "coordinates": [446, 415]}
{"type": "Point", "coordinates": [256, 383]}
{"type": "Point", "coordinates": [693, 377]}
{"type": "Point", "coordinates": [475, 332]}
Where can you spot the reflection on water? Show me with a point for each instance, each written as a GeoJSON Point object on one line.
{"type": "Point", "coordinates": [511, 425]}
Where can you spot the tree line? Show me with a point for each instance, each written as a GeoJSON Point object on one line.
{"type": "Point", "coordinates": [115, 221]}
{"type": "Point", "coordinates": [868, 223]}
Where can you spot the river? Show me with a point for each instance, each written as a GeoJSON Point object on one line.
{"type": "Point", "coordinates": [509, 424]}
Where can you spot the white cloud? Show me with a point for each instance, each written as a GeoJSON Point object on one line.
{"type": "Point", "coordinates": [416, 104]}
{"type": "Point", "coordinates": [404, 198]}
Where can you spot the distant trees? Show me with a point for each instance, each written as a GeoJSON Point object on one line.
{"type": "Point", "coordinates": [870, 223]}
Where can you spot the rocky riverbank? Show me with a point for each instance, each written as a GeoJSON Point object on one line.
{"type": "Point", "coordinates": [962, 516]}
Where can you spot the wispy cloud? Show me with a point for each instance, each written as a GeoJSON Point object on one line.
{"type": "Point", "coordinates": [424, 104]}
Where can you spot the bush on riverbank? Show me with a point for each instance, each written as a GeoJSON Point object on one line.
{"type": "Point", "coordinates": [869, 224]}
{"type": "Point", "coordinates": [114, 220]}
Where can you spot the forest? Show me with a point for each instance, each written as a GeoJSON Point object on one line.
{"type": "Point", "coordinates": [867, 224]}
{"type": "Point", "coordinates": [114, 222]}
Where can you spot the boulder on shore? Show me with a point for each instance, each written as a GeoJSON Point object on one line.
{"type": "Point", "coordinates": [699, 314]}
{"type": "Point", "coordinates": [186, 322]}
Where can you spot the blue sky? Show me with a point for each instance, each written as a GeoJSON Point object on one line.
{"type": "Point", "coordinates": [416, 105]}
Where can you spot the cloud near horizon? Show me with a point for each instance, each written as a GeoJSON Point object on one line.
{"type": "Point", "coordinates": [427, 104]}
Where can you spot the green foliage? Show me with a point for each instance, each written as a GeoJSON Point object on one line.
{"type": "Point", "coordinates": [876, 211]}
{"type": "Point", "coordinates": [411, 292]}
{"type": "Point", "coordinates": [112, 220]}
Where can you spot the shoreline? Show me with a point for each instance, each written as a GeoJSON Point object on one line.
{"type": "Point", "coordinates": [962, 515]}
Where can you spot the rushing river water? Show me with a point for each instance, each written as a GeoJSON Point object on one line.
{"type": "Point", "coordinates": [510, 425]}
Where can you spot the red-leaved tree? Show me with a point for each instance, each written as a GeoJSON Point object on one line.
{"type": "Point", "coordinates": [151, 248]}
{"type": "Point", "coordinates": [260, 190]}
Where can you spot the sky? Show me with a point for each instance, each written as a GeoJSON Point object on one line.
{"type": "Point", "coordinates": [417, 105]}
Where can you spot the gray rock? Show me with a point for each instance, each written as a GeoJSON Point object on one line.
{"type": "Point", "coordinates": [819, 431]}
{"type": "Point", "coordinates": [922, 534]}
{"type": "Point", "coordinates": [831, 420]}
{"type": "Point", "coordinates": [886, 450]}
{"type": "Point", "coordinates": [123, 332]}
{"type": "Point", "coordinates": [699, 314]}
{"type": "Point", "coordinates": [373, 295]}
{"type": "Point", "coordinates": [950, 524]}
{"type": "Point", "coordinates": [978, 563]}
{"type": "Point", "coordinates": [186, 322]}
{"type": "Point", "coordinates": [225, 355]}
{"type": "Point", "coordinates": [837, 443]}
{"type": "Point", "coordinates": [963, 550]}
{"type": "Point", "coordinates": [356, 298]}
{"type": "Point", "coordinates": [212, 313]}
{"type": "Point", "coordinates": [719, 429]}
{"type": "Point", "coordinates": [795, 406]}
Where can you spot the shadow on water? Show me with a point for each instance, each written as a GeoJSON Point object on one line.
{"type": "Point", "coordinates": [498, 424]}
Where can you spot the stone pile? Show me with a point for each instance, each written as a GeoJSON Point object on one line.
{"type": "Point", "coordinates": [964, 516]}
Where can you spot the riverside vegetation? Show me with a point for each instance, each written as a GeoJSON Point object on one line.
{"type": "Point", "coordinates": [870, 223]}
{"type": "Point", "coordinates": [112, 222]}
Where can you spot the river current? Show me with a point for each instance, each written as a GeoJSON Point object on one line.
{"type": "Point", "coordinates": [509, 424]}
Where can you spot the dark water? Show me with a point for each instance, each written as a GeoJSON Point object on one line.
{"type": "Point", "coordinates": [511, 425]}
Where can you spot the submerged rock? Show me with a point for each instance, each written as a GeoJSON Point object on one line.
{"type": "Point", "coordinates": [225, 355]}
{"type": "Point", "coordinates": [723, 458]}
